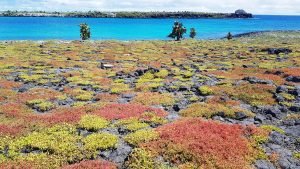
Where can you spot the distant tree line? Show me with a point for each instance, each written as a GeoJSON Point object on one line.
{"type": "Point", "coordinates": [99, 14]}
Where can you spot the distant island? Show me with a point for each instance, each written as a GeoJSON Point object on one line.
{"type": "Point", "coordinates": [98, 14]}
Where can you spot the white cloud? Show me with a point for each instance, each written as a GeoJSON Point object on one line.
{"type": "Point", "coordinates": [254, 6]}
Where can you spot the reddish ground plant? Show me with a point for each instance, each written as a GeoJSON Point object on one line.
{"type": "Point", "coordinates": [291, 71]}
{"type": "Point", "coordinates": [254, 94]}
{"type": "Point", "coordinates": [92, 164]}
{"type": "Point", "coordinates": [38, 93]}
{"type": "Point", "coordinates": [14, 109]}
{"type": "Point", "coordinates": [17, 165]}
{"type": "Point", "coordinates": [205, 144]}
{"type": "Point", "coordinates": [59, 116]}
{"type": "Point", "coordinates": [5, 84]}
{"type": "Point", "coordinates": [10, 130]}
{"type": "Point", "coordinates": [106, 97]}
{"type": "Point", "coordinates": [125, 111]}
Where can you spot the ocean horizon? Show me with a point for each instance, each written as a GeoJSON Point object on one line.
{"type": "Point", "coordinates": [55, 28]}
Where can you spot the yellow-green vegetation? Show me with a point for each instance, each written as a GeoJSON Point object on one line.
{"type": "Point", "coordinates": [141, 159]}
{"type": "Point", "coordinates": [93, 123]}
{"type": "Point", "coordinates": [205, 90]}
{"type": "Point", "coordinates": [297, 155]}
{"type": "Point", "coordinates": [118, 88]}
{"type": "Point", "coordinates": [148, 82]}
{"type": "Point", "coordinates": [270, 128]}
{"type": "Point", "coordinates": [162, 74]}
{"type": "Point", "coordinates": [132, 124]}
{"type": "Point", "coordinates": [288, 97]}
{"type": "Point", "coordinates": [41, 105]}
{"type": "Point", "coordinates": [209, 110]}
{"type": "Point", "coordinates": [150, 99]}
{"type": "Point", "coordinates": [99, 141]}
{"type": "Point", "coordinates": [141, 136]}
{"type": "Point", "coordinates": [82, 95]}
{"type": "Point", "coordinates": [152, 118]}
{"type": "Point", "coordinates": [28, 78]}
{"type": "Point", "coordinates": [60, 140]}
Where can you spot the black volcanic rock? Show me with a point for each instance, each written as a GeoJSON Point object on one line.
{"type": "Point", "coordinates": [240, 13]}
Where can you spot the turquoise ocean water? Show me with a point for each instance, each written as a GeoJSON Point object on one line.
{"type": "Point", "coordinates": [48, 28]}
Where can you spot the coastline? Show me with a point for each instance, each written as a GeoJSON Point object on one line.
{"type": "Point", "coordinates": [257, 33]}
{"type": "Point", "coordinates": [242, 35]}
{"type": "Point", "coordinates": [132, 15]}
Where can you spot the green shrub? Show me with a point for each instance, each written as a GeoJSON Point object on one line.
{"type": "Point", "coordinates": [85, 32]}
{"type": "Point", "coordinates": [162, 73]}
{"type": "Point", "coordinates": [41, 105]}
{"type": "Point", "coordinates": [84, 96]}
{"type": "Point", "coordinates": [93, 123]}
{"type": "Point", "coordinates": [140, 159]}
{"type": "Point", "coordinates": [100, 141]}
{"type": "Point", "coordinates": [60, 140]}
{"type": "Point", "coordinates": [270, 128]}
{"type": "Point", "coordinates": [132, 124]}
{"type": "Point", "coordinates": [118, 88]}
{"type": "Point", "coordinates": [205, 90]}
{"type": "Point", "coordinates": [141, 136]}
{"type": "Point", "coordinates": [297, 155]}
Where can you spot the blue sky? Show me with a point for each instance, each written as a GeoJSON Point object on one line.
{"type": "Point", "coordinates": [287, 7]}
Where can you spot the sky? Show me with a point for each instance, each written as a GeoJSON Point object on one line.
{"type": "Point", "coordinates": [273, 7]}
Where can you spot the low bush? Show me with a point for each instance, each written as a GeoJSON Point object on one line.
{"type": "Point", "coordinates": [141, 136]}
{"type": "Point", "coordinates": [99, 141]}
{"type": "Point", "coordinates": [93, 123]}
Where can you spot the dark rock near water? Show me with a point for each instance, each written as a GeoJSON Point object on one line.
{"type": "Point", "coordinates": [240, 13]}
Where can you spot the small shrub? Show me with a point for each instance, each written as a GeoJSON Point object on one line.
{"type": "Point", "coordinates": [288, 97]}
{"type": "Point", "coordinates": [162, 73]}
{"type": "Point", "coordinates": [270, 128]}
{"type": "Point", "coordinates": [193, 33]}
{"type": "Point", "coordinates": [131, 124]}
{"type": "Point", "coordinates": [209, 110]}
{"type": "Point", "coordinates": [100, 141]}
{"type": "Point", "coordinates": [151, 99]}
{"type": "Point", "coordinates": [118, 88]}
{"type": "Point", "coordinates": [152, 118]}
{"type": "Point", "coordinates": [297, 155]}
{"type": "Point", "coordinates": [84, 96]}
{"type": "Point", "coordinates": [93, 123]}
{"type": "Point", "coordinates": [141, 159]}
{"type": "Point", "coordinates": [58, 140]}
{"type": "Point", "coordinates": [85, 32]}
{"type": "Point", "coordinates": [205, 90]}
{"type": "Point", "coordinates": [141, 136]}
{"type": "Point", "coordinates": [41, 105]}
